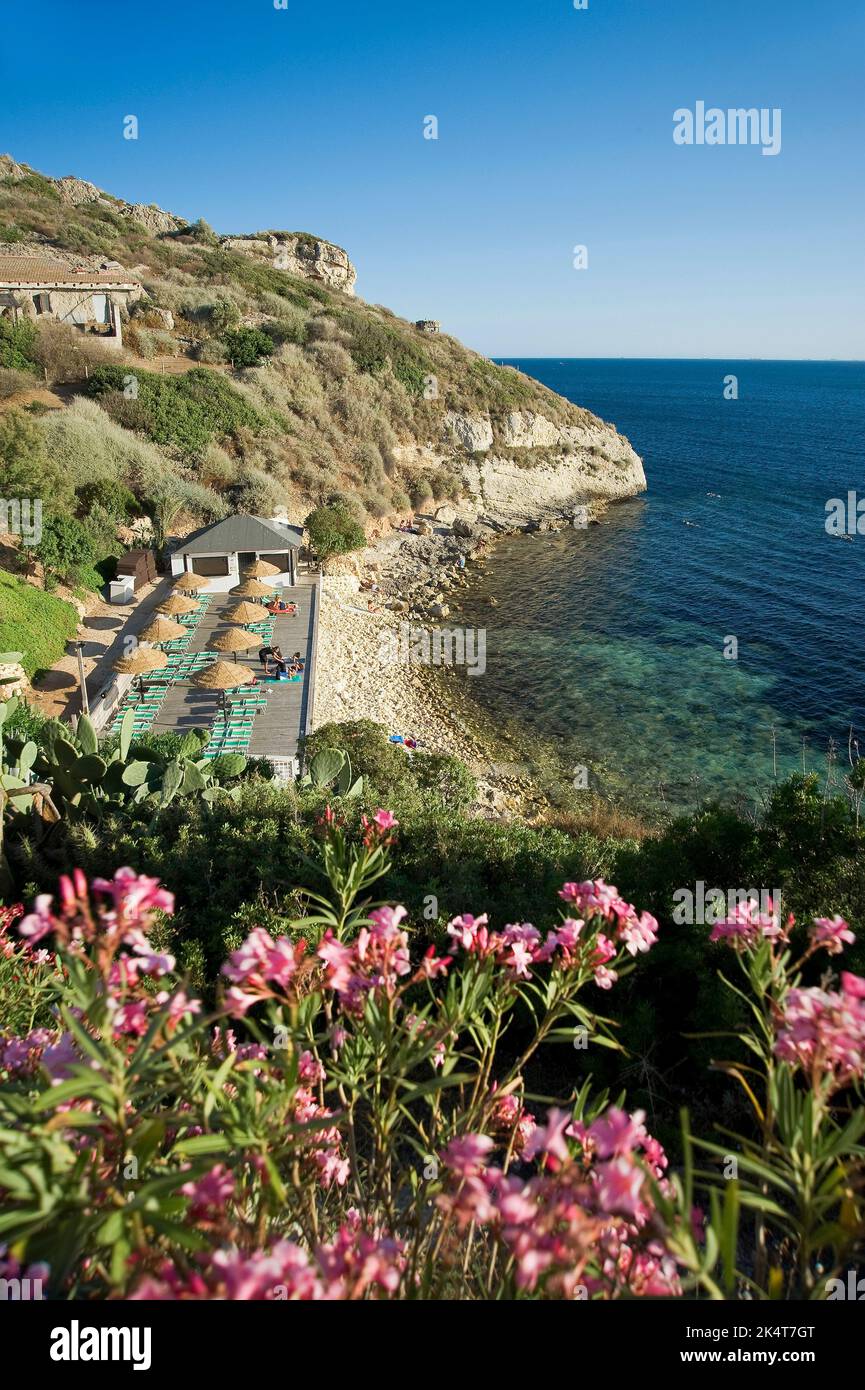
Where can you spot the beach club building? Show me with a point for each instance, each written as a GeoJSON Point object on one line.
{"type": "Point", "coordinates": [220, 552]}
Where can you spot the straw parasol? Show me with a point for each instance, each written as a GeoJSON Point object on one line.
{"type": "Point", "coordinates": [142, 660]}
{"type": "Point", "coordinates": [245, 612]}
{"type": "Point", "coordinates": [234, 639]}
{"type": "Point", "coordinates": [223, 675]}
{"type": "Point", "coordinates": [139, 663]}
{"type": "Point", "coordinates": [251, 588]}
{"type": "Point", "coordinates": [176, 604]}
{"type": "Point", "coordinates": [190, 582]}
{"type": "Point", "coordinates": [261, 569]}
{"type": "Point", "coordinates": [162, 630]}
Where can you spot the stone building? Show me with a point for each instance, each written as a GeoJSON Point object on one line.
{"type": "Point", "coordinates": [428, 325]}
{"type": "Point", "coordinates": [88, 298]}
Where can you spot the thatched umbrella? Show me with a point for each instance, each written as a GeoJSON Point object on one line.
{"type": "Point", "coordinates": [162, 630]}
{"type": "Point", "coordinates": [251, 588]}
{"type": "Point", "coordinates": [246, 612]}
{"type": "Point", "coordinates": [223, 676]}
{"type": "Point", "coordinates": [234, 639]}
{"type": "Point", "coordinates": [261, 569]}
{"type": "Point", "coordinates": [190, 583]}
{"type": "Point", "coordinates": [139, 663]}
{"type": "Point", "coordinates": [176, 604]}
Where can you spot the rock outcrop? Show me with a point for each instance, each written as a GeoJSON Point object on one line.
{"type": "Point", "coordinates": [474, 433]}
{"type": "Point", "coordinates": [294, 252]}
{"type": "Point", "coordinates": [298, 254]}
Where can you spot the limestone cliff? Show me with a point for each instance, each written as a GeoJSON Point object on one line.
{"type": "Point", "coordinates": [299, 254]}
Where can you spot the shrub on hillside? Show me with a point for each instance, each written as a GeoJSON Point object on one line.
{"type": "Point", "coordinates": [186, 411]}
{"type": "Point", "coordinates": [26, 469]}
{"type": "Point", "coordinates": [67, 354]}
{"type": "Point", "coordinates": [13, 381]}
{"type": "Point", "coordinates": [375, 345]}
{"type": "Point", "coordinates": [66, 549]}
{"type": "Point", "coordinates": [247, 347]}
{"type": "Point", "coordinates": [334, 531]}
{"type": "Point", "coordinates": [17, 343]}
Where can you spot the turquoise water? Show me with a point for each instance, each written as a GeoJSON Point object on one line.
{"type": "Point", "coordinates": [610, 642]}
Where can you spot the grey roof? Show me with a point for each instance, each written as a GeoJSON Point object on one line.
{"type": "Point", "coordinates": [239, 533]}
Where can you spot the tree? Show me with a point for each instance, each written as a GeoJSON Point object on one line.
{"type": "Point", "coordinates": [17, 342]}
{"type": "Point", "coordinates": [66, 547]}
{"type": "Point", "coordinates": [247, 346]}
{"type": "Point", "coordinates": [24, 468]}
{"type": "Point", "coordinates": [334, 531]}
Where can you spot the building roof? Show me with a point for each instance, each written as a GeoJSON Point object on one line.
{"type": "Point", "coordinates": [42, 270]}
{"type": "Point", "coordinates": [240, 533]}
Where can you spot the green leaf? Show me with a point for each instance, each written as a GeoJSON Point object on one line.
{"type": "Point", "coordinates": [127, 725]}
{"type": "Point", "coordinates": [135, 774]}
{"type": "Point", "coordinates": [86, 734]}
{"type": "Point", "coordinates": [326, 766]}
{"type": "Point", "coordinates": [90, 768]}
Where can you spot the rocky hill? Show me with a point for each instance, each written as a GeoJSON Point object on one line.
{"type": "Point", "coordinates": [320, 395]}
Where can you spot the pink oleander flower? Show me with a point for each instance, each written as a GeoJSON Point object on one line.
{"type": "Point", "coordinates": [377, 960]}
{"type": "Point", "coordinates": [309, 1069]}
{"type": "Point", "coordinates": [853, 985]}
{"type": "Point", "coordinates": [831, 933]}
{"type": "Point", "coordinates": [823, 1032]}
{"type": "Point", "coordinates": [130, 1018]}
{"type": "Point", "coordinates": [469, 932]}
{"type": "Point", "coordinates": [747, 925]}
{"type": "Point", "coordinates": [467, 1154]}
{"type": "Point", "coordinates": [41, 921]}
{"type": "Point", "coordinates": [620, 1183]}
{"type": "Point", "coordinates": [549, 1139]}
{"type": "Point", "coordinates": [210, 1193]}
{"type": "Point", "coordinates": [179, 1004]}
{"type": "Point", "coordinates": [135, 896]}
{"type": "Point", "coordinates": [260, 967]}
{"type": "Point", "coordinates": [615, 1133]}
{"type": "Point", "coordinates": [385, 820]}
{"type": "Point", "coordinates": [432, 965]}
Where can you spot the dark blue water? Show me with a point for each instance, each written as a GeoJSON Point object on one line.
{"type": "Point", "coordinates": [615, 649]}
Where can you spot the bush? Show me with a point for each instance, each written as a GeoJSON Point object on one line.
{"type": "Point", "coordinates": [372, 1132]}
{"type": "Point", "coordinates": [25, 468]}
{"type": "Point", "coordinates": [186, 411]}
{"type": "Point", "coordinates": [13, 381]}
{"type": "Point", "coordinates": [375, 346]}
{"type": "Point", "coordinates": [334, 531]}
{"type": "Point", "coordinates": [211, 350]}
{"type": "Point", "coordinates": [67, 354]}
{"type": "Point", "coordinates": [66, 549]}
{"type": "Point", "coordinates": [17, 344]}
{"type": "Point", "coordinates": [247, 347]}
{"type": "Point", "coordinates": [112, 497]}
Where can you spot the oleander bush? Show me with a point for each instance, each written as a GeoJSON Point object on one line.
{"type": "Point", "coordinates": [350, 1118]}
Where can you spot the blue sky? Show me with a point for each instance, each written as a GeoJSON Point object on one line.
{"type": "Point", "coordinates": [555, 129]}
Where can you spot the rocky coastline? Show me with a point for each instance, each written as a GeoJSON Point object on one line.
{"type": "Point", "coordinates": [519, 473]}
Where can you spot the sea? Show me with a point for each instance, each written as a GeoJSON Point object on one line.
{"type": "Point", "coordinates": [707, 638]}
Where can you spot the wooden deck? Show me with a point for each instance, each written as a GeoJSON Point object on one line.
{"type": "Point", "coordinates": [277, 727]}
